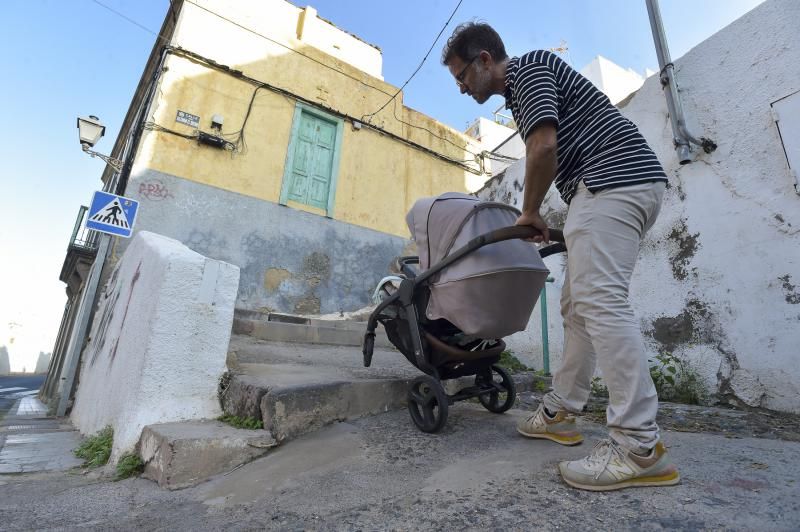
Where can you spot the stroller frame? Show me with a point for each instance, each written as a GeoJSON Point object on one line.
{"type": "Point", "coordinates": [427, 400]}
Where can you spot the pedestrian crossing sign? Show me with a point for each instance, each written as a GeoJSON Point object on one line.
{"type": "Point", "coordinates": [112, 214]}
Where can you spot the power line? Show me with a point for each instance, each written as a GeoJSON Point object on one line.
{"type": "Point", "coordinates": [254, 32]}
{"type": "Point", "coordinates": [393, 97]}
{"type": "Point", "coordinates": [148, 30]}
{"type": "Point", "coordinates": [288, 93]}
{"type": "Point", "coordinates": [460, 147]}
{"type": "Point", "coordinates": [421, 62]}
{"type": "Point", "coordinates": [250, 30]}
{"type": "Point", "coordinates": [246, 29]}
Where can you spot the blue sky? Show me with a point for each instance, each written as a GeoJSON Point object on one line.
{"type": "Point", "coordinates": [66, 58]}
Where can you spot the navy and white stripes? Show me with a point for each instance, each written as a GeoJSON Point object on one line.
{"type": "Point", "coordinates": [596, 144]}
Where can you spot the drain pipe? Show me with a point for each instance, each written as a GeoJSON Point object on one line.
{"type": "Point", "coordinates": [681, 135]}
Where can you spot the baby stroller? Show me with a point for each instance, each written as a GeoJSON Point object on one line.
{"type": "Point", "coordinates": [474, 282]}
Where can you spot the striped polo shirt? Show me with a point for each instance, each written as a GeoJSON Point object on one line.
{"type": "Point", "coordinates": [596, 144]}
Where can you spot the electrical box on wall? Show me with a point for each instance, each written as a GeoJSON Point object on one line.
{"type": "Point", "coordinates": [216, 122]}
{"type": "Point", "coordinates": [211, 140]}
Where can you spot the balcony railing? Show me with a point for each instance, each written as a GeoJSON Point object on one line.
{"type": "Point", "coordinates": [83, 238]}
{"type": "Point", "coordinates": [82, 245]}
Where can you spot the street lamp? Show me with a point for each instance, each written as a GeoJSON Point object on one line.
{"type": "Point", "coordinates": [91, 130]}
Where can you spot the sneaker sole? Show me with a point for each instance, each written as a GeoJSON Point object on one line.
{"type": "Point", "coordinates": [569, 441]}
{"type": "Point", "coordinates": [641, 482]}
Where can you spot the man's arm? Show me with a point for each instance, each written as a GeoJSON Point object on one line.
{"type": "Point", "coordinates": [541, 163]}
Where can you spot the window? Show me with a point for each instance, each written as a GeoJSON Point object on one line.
{"type": "Point", "coordinates": [312, 161]}
{"type": "Point", "coordinates": [786, 112]}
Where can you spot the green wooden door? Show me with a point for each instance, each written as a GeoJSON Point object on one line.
{"type": "Point", "coordinates": [312, 161]}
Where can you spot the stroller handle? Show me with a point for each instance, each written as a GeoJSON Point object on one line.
{"type": "Point", "coordinates": [517, 231]}
{"type": "Point", "coordinates": [498, 235]}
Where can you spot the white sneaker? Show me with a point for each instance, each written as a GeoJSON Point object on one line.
{"type": "Point", "coordinates": [612, 467]}
{"type": "Point", "coordinates": [560, 429]}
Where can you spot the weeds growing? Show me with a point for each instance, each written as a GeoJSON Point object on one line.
{"type": "Point", "coordinates": [512, 363]}
{"type": "Point", "coordinates": [249, 423]}
{"type": "Point", "coordinates": [96, 450]}
{"type": "Point", "coordinates": [598, 388]}
{"type": "Point", "coordinates": [675, 380]}
{"type": "Point", "coordinates": [129, 465]}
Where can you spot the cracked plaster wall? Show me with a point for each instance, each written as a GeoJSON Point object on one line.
{"type": "Point", "coordinates": [718, 276]}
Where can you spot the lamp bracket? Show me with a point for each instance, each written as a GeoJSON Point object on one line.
{"type": "Point", "coordinates": [116, 164]}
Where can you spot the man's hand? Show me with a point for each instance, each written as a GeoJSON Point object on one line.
{"type": "Point", "coordinates": [533, 219]}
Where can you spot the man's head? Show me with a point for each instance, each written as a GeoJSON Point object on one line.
{"type": "Point", "coordinates": [475, 56]}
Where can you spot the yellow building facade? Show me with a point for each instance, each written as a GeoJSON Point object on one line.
{"type": "Point", "coordinates": [262, 66]}
{"type": "Point", "coordinates": [265, 136]}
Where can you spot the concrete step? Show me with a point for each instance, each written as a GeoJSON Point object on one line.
{"type": "Point", "coordinates": [277, 317]}
{"type": "Point", "coordinates": [296, 388]}
{"type": "Point", "coordinates": [183, 454]}
{"type": "Point", "coordinates": [313, 332]}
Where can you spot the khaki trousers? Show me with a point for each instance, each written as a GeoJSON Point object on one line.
{"type": "Point", "coordinates": [603, 232]}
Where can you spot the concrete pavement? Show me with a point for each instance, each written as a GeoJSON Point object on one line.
{"type": "Point", "coordinates": [32, 441]}
{"type": "Point", "coordinates": [739, 469]}
{"type": "Point", "coordinates": [381, 473]}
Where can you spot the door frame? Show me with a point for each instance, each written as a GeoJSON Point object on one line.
{"type": "Point", "coordinates": [299, 109]}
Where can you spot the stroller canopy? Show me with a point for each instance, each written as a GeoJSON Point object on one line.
{"type": "Point", "coordinates": [489, 293]}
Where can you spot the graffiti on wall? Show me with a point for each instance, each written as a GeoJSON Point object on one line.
{"type": "Point", "coordinates": [154, 190]}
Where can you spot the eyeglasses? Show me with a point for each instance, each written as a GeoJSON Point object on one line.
{"type": "Point", "coordinates": [460, 76]}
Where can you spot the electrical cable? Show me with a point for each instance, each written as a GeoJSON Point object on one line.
{"type": "Point", "coordinates": [240, 74]}
{"type": "Point", "coordinates": [128, 18]}
{"type": "Point", "coordinates": [192, 56]}
{"type": "Point", "coordinates": [240, 143]}
{"type": "Point", "coordinates": [421, 62]}
{"type": "Point", "coordinates": [498, 156]}
{"type": "Point", "coordinates": [250, 30]}
{"type": "Point", "coordinates": [326, 65]}
{"type": "Point", "coordinates": [460, 147]}
{"type": "Point", "coordinates": [152, 126]}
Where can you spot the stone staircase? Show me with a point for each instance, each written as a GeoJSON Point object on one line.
{"type": "Point", "coordinates": [296, 375]}
{"type": "Point", "coordinates": [298, 387]}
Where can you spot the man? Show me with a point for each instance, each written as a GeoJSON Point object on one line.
{"type": "Point", "coordinates": [613, 185]}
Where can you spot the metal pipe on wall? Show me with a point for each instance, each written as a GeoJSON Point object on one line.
{"type": "Point", "coordinates": [681, 134]}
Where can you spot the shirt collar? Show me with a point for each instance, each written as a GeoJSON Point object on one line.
{"type": "Point", "coordinates": [511, 78]}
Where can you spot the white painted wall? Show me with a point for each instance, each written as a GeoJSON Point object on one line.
{"type": "Point", "coordinates": [158, 342]}
{"type": "Point", "coordinates": [616, 82]}
{"type": "Point", "coordinates": [202, 31]}
{"type": "Point", "coordinates": [734, 212]}
{"type": "Point", "coordinates": [527, 345]}
{"type": "Point", "coordinates": [497, 138]}
{"type": "Point", "coordinates": [489, 133]}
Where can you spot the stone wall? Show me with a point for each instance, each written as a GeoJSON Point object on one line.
{"type": "Point", "coordinates": [290, 260]}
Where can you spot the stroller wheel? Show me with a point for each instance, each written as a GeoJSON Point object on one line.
{"type": "Point", "coordinates": [503, 393]}
{"type": "Point", "coordinates": [427, 404]}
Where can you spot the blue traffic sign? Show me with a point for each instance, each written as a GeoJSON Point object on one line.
{"type": "Point", "coordinates": [112, 214]}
